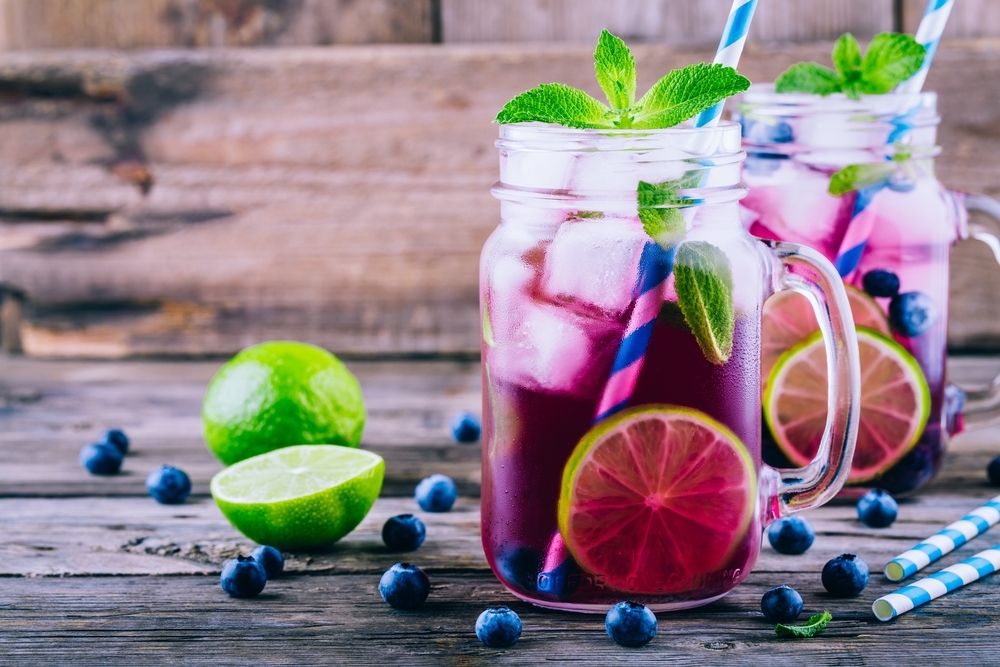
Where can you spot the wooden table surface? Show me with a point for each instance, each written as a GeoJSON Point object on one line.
{"type": "Point", "coordinates": [93, 571]}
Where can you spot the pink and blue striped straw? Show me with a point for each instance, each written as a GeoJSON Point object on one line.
{"type": "Point", "coordinates": [734, 37]}
{"type": "Point", "coordinates": [656, 263]}
{"type": "Point", "coordinates": [929, 34]}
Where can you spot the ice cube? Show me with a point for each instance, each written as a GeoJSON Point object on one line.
{"type": "Point", "coordinates": [553, 349]}
{"type": "Point", "coordinates": [510, 280]}
{"type": "Point", "coordinates": [594, 263]}
{"type": "Point", "coordinates": [537, 170]}
{"type": "Point", "coordinates": [621, 171]}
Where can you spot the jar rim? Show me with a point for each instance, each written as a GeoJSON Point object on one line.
{"type": "Point", "coordinates": [686, 140]}
{"type": "Point", "coordinates": [762, 99]}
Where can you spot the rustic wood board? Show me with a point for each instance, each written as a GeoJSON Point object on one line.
{"type": "Point", "coordinates": [339, 196]}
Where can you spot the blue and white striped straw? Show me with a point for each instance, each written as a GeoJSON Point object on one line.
{"type": "Point", "coordinates": [982, 564]}
{"type": "Point", "coordinates": [730, 50]}
{"type": "Point", "coordinates": [929, 34]}
{"type": "Point", "coordinates": [977, 522]}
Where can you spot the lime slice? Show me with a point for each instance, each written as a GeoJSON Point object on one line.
{"type": "Point", "coordinates": [655, 495]}
{"type": "Point", "coordinates": [789, 319]}
{"type": "Point", "coordinates": [704, 283]}
{"type": "Point", "coordinates": [300, 497]}
{"type": "Point", "coordinates": [895, 403]}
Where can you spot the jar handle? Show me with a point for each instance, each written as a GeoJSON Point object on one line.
{"type": "Point", "coordinates": [983, 401]}
{"type": "Point", "coordinates": [792, 490]}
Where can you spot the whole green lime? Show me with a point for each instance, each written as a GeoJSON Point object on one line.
{"type": "Point", "coordinates": [280, 394]}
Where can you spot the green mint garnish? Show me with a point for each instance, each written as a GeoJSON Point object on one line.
{"type": "Point", "coordinates": [703, 279]}
{"type": "Point", "coordinates": [860, 176]}
{"type": "Point", "coordinates": [812, 626]}
{"type": "Point", "coordinates": [680, 95]}
{"type": "Point", "coordinates": [666, 226]}
{"type": "Point", "coordinates": [891, 59]}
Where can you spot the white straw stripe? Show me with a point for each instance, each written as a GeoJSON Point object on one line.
{"type": "Point", "coordinates": [993, 556]}
{"type": "Point", "coordinates": [734, 38]}
{"type": "Point", "coordinates": [933, 587]}
{"type": "Point", "coordinates": [932, 26]}
{"type": "Point", "coordinates": [929, 34]}
{"type": "Point", "coordinates": [898, 604]}
{"type": "Point", "coordinates": [899, 567]}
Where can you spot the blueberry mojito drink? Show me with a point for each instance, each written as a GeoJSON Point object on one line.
{"type": "Point", "coordinates": [838, 162]}
{"type": "Point", "coordinates": [621, 304]}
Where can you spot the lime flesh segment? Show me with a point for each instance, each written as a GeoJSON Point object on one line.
{"type": "Point", "coordinates": [300, 497]}
{"type": "Point", "coordinates": [655, 496]}
{"type": "Point", "coordinates": [895, 403]}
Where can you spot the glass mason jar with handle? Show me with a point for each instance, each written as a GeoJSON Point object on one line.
{"type": "Point", "coordinates": [621, 374]}
{"type": "Point", "coordinates": [855, 181]}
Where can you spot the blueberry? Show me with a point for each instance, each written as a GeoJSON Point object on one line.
{"type": "Point", "coordinates": [519, 566]}
{"type": "Point", "coordinates": [270, 559]}
{"type": "Point", "coordinates": [791, 535]}
{"type": "Point", "coordinates": [243, 577]}
{"type": "Point", "coordinates": [912, 313]}
{"type": "Point", "coordinates": [498, 626]}
{"type": "Point", "coordinates": [403, 533]}
{"type": "Point", "coordinates": [436, 493]}
{"type": "Point", "coordinates": [901, 183]}
{"type": "Point", "coordinates": [465, 427]}
{"type": "Point", "coordinates": [758, 132]}
{"type": "Point", "coordinates": [404, 586]}
{"type": "Point", "coordinates": [117, 438]}
{"type": "Point", "coordinates": [845, 576]}
{"type": "Point", "coordinates": [877, 509]}
{"type": "Point", "coordinates": [630, 624]}
{"type": "Point", "coordinates": [168, 485]}
{"type": "Point", "coordinates": [781, 604]}
{"type": "Point", "coordinates": [993, 470]}
{"type": "Point", "coordinates": [100, 458]}
{"type": "Point", "coordinates": [881, 282]}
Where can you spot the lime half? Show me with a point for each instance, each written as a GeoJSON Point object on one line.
{"type": "Point", "coordinates": [300, 497]}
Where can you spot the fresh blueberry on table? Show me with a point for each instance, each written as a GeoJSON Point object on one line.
{"type": "Point", "coordinates": [781, 604]}
{"type": "Point", "coordinates": [100, 458]}
{"type": "Point", "coordinates": [881, 282]}
{"type": "Point", "coordinates": [993, 471]}
{"type": "Point", "coordinates": [877, 509]}
{"type": "Point", "coordinates": [117, 438]}
{"type": "Point", "coordinates": [498, 626]}
{"type": "Point", "coordinates": [168, 485]}
{"type": "Point", "coordinates": [791, 535]}
{"type": "Point", "coordinates": [404, 586]}
{"type": "Point", "coordinates": [465, 427]}
{"type": "Point", "coordinates": [403, 533]}
{"type": "Point", "coordinates": [436, 493]}
{"type": "Point", "coordinates": [243, 577]}
{"type": "Point", "coordinates": [630, 624]}
{"type": "Point", "coordinates": [270, 559]}
{"type": "Point", "coordinates": [912, 313]}
{"type": "Point", "coordinates": [845, 576]}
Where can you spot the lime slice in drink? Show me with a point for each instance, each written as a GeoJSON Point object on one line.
{"type": "Point", "coordinates": [654, 496]}
{"type": "Point", "coordinates": [789, 319]}
{"type": "Point", "coordinates": [300, 497]}
{"type": "Point", "coordinates": [895, 402]}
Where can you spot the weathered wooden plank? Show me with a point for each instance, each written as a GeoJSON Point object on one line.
{"type": "Point", "coordinates": [339, 196]}
{"type": "Point", "coordinates": [689, 23]}
{"type": "Point", "coordinates": [341, 620]}
{"type": "Point", "coordinates": [969, 18]}
{"type": "Point", "coordinates": [49, 411]}
{"type": "Point", "coordinates": [145, 24]}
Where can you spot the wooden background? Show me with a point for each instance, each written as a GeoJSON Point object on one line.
{"type": "Point", "coordinates": [193, 201]}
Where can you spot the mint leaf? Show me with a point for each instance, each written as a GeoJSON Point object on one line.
{"type": "Point", "coordinates": [666, 226]}
{"type": "Point", "coordinates": [685, 93]}
{"type": "Point", "coordinates": [847, 54]}
{"type": "Point", "coordinates": [703, 279]}
{"type": "Point", "coordinates": [812, 626]}
{"type": "Point", "coordinates": [859, 176]}
{"type": "Point", "coordinates": [556, 103]}
{"type": "Point", "coordinates": [891, 59]}
{"type": "Point", "coordinates": [615, 69]}
{"type": "Point", "coordinates": [808, 78]}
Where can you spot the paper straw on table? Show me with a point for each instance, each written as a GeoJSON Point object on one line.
{"type": "Point", "coordinates": [975, 523]}
{"type": "Point", "coordinates": [982, 564]}
{"type": "Point", "coordinates": [929, 34]}
{"type": "Point", "coordinates": [730, 50]}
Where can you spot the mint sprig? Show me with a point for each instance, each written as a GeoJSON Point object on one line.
{"type": "Point", "coordinates": [891, 58]}
{"type": "Point", "coordinates": [678, 96]}
{"type": "Point", "coordinates": [703, 279]}
{"type": "Point", "coordinates": [662, 222]}
{"type": "Point", "coordinates": [859, 176]}
{"type": "Point", "coordinates": [811, 627]}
